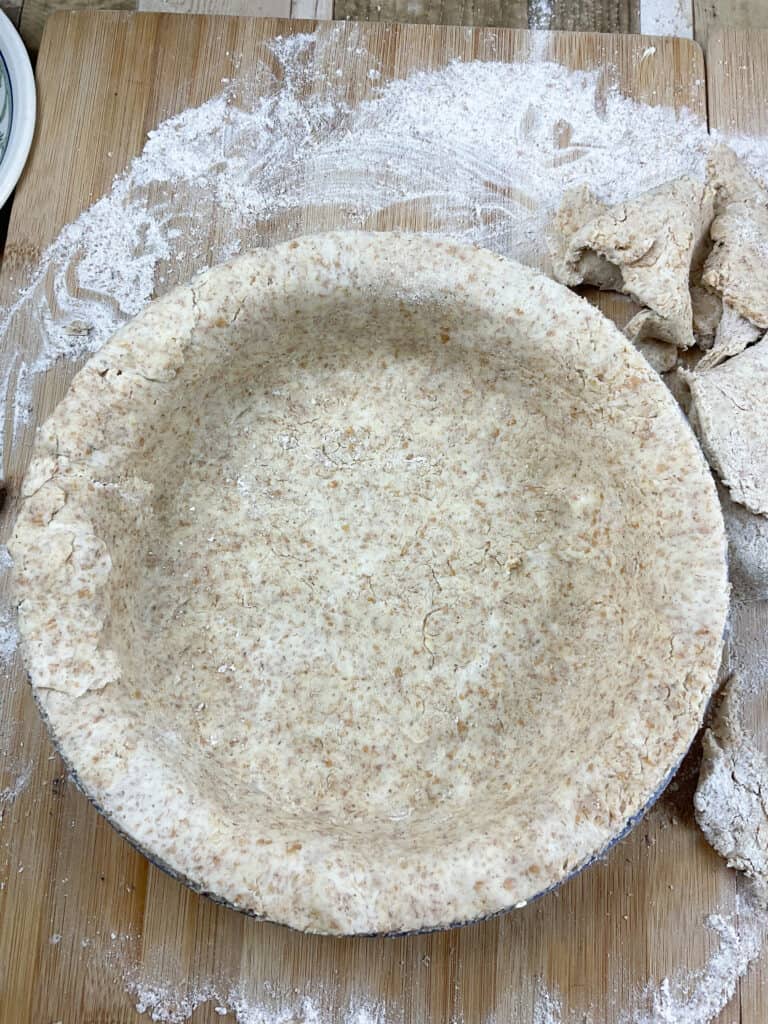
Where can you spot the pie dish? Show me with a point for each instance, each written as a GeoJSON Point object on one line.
{"type": "Point", "coordinates": [370, 583]}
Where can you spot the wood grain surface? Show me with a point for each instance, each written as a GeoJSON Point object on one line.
{"type": "Point", "coordinates": [319, 10]}
{"type": "Point", "coordinates": [737, 86]}
{"type": "Point", "coordinates": [572, 15]}
{"type": "Point", "coordinates": [711, 15]}
{"type": "Point", "coordinates": [79, 907]}
{"type": "Point", "coordinates": [508, 13]}
{"type": "Point", "coordinates": [568, 15]}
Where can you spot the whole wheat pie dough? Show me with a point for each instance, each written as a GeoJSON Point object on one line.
{"type": "Point", "coordinates": [731, 799]}
{"type": "Point", "coordinates": [737, 267]}
{"type": "Point", "coordinates": [644, 247]}
{"type": "Point", "coordinates": [730, 414]}
{"type": "Point", "coordinates": [370, 583]}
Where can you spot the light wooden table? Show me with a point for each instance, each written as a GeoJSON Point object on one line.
{"type": "Point", "coordinates": [654, 17]}
{"type": "Point", "coordinates": [476, 960]}
{"type": "Point", "coordinates": [84, 898]}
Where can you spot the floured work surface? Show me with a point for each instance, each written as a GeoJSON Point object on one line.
{"type": "Point", "coordinates": [89, 929]}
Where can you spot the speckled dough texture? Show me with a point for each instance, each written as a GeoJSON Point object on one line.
{"type": "Point", "coordinates": [730, 415]}
{"type": "Point", "coordinates": [370, 583]}
{"type": "Point", "coordinates": [737, 267]}
{"type": "Point", "coordinates": [731, 799]}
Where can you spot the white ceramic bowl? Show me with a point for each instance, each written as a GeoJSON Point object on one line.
{"type": "Point", "coordinates": [17, 107]}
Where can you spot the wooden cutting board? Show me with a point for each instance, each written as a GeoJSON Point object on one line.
{"type": "Point", "coordinates": [79, 908]}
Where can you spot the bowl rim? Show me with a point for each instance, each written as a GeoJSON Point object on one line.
{"type": "Point", "coordinates": [21, 81]}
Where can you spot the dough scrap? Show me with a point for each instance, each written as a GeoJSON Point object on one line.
{"type": "Point", "coordinates": [731, 180]}
{"type": "Point", "coordinates": [734, 333]}
{"type": "Point", "coordinates": [737, 267]}
{"type": "Point", "coordinates": [707, 313]}
{"type": "Point", "coordinates": [579, 207]}
{"type": "Point", "coordinates": [731, 801]}
{"type": "Point", "coordinates": [661, 356]}
{"type": "Point", "coordinates": [644, 247]}
{"type": "Point", "coordinates": [677, 382]}
{"type": "Point", "coordinates": [747, 549]}
{"type": "Point", "coordinates": [729, 413]}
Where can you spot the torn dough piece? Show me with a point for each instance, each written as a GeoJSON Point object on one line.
{"type": "Point", "coordinates": [747, 549]}
{"type": "Point", "coordinates": [731, 801]}
{"type": "Point", "coordinates": [737, 267]}
{"type": "Point", "coordinates": [707, 314]}
{"type": "Point", "coordinates": [643, 247]}
{"type": "Point", "coordinates": [734, 333]}
{"type": "Point", "coordinates": [658, 354]}
{"type": "Point", "coordinates": [731, 180]}
{"type": "Point", "coordinates": [661, 356]}
{"type": "Point", "coordinates": [578, 208]}
{"type": "Point", "coordinates": [729, 412]}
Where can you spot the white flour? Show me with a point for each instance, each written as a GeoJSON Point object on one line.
{"type": "Point", "coordinates": [162, 1002]}
{"type": "Point", "coordinates": [11, 792]}
{"type": "Point", "coordinates": [688, 997]}
{"type": "Point", "coordinates": [697, 997]}
{"type": "Point", "coordinates": [485, 145]}
{"type": "Point", "coordinates": [162, 995]}
{"type": "Point", "coordinates": [9, 637]}
{"type": "Point", "coordinates": [547, 1007]}
{"type": "Point", "coordinates": [666, 18]}
{"type": "Point", "coordinates": [540, 14]}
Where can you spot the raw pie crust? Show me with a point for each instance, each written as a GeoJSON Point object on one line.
{"type": "Point", "coordinates": [370, 583]}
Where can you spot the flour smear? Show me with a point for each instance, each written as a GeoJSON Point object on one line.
{"type": "Point", "coordinates": [688, 997]}
{"type": "Point", "coordinates": [666, 18]}
{"type": "Point", "coordinates": [484, 146]}
{"type": "Point", "coordinates": [487, 149]}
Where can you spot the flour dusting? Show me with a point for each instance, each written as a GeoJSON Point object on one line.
{"type": "Point", "coordinates": [9, 636]}
{"type": "Point", "coordinates": [164, 1002]}
{"type": "Point", "coordinates": [540, 14]}
{"type": "Point", "coordinates": [697, 997]}
{"type": "Point", "coordinates": [666, 18]}
{"type": "Point", "coordinates": [688, 997]}
{"type": "Point", "coordinates": [484, 147]}
{"type": "Point", "coordinates": [547, 1007]}
{"type": "Point", "coordinates": [752, 150]}
{"type": "Point", "coordinates": [13, 791]}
